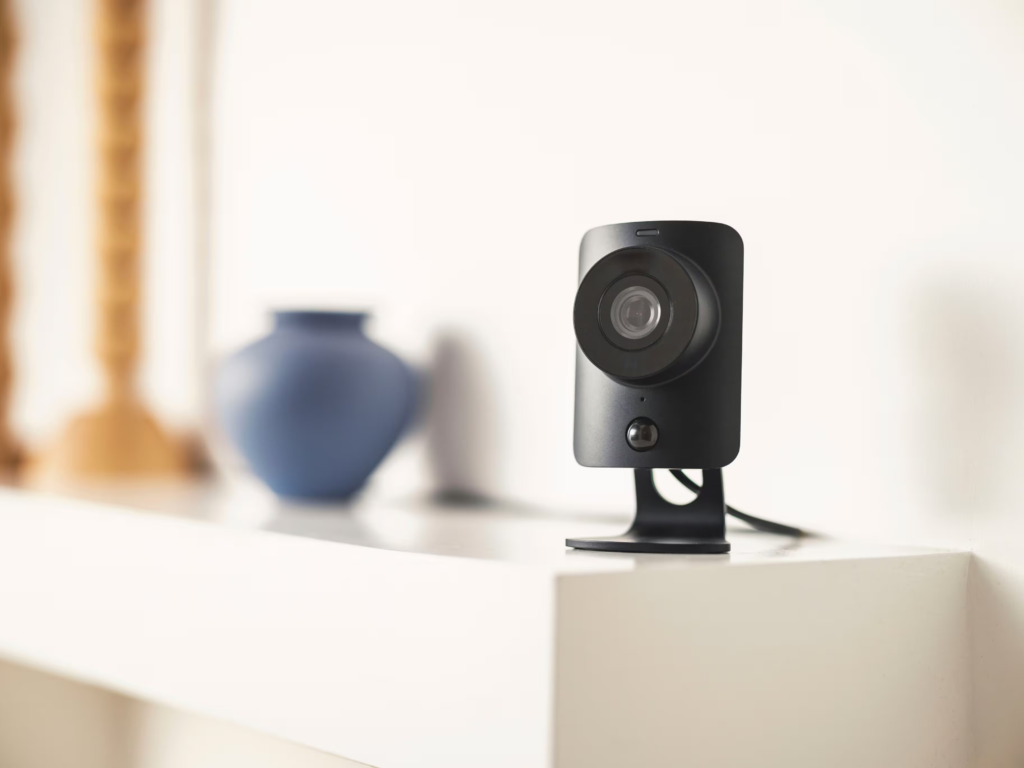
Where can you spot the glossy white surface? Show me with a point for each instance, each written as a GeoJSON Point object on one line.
{"type": "Point", "coordinates": [404, 637]}
{"type": "Point", "coordinates": [509, 534]}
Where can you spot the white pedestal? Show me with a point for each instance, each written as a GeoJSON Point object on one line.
{"type": "Point", "coordinates": [405, 637]}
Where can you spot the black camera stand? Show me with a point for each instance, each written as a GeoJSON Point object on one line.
{"type": "Point", "coordinates": [697, 528]}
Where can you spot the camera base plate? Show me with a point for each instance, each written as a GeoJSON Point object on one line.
{"type": "Point", "coordinates": [661, 527]}
{"type": "Point", "coordinates": [630, 542]}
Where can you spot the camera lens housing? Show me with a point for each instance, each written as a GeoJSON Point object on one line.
{"type": "Point", "coordinates": [658, 320]}
{"type": "Point", "coordinates": [645, 315]}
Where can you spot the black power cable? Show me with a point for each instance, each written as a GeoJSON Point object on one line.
{"type": "Point", "coordinates": [754, 522]}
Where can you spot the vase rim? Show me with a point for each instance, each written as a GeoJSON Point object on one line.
{"type": "Point", "coordinates": [318, 313]}
{"type": "Point", "coordinates": [323, 318]}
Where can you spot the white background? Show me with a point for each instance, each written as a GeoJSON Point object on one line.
{"type": "Point", "coordinates": [439, 162]}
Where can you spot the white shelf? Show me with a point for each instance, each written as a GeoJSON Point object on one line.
{"type": "Point", "coordinates": [407, 636]}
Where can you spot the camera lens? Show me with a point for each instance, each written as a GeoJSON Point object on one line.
{"type": "Point", "coordinates": [635, 312]}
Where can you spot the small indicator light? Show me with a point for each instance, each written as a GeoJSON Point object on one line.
{"type": "Point", "coordinates": [647, 232]}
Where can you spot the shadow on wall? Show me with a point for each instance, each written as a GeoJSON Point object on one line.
{"type": "Point", "coordinates": [48, 721]}
{"type": "Point", "coordinates": [970, 345]}
{"type": "Point", "coordinates": [997, 639]}
{"type": "Point", "coordinates": [968, 340]}
{"type": "Point", "coordinates": [462, 421]}
{"type": "Point", "coordinates": [53, 722]}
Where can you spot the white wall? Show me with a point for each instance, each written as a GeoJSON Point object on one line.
{"type": "Point", "coordinates": [162, 737]}
{"type": "Point", "coordinates": [444, 159]}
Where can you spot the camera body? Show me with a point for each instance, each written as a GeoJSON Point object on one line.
{"type": "Point", "coordinates": [659, 325]}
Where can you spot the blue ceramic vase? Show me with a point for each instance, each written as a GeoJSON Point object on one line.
{"type": "Point", "coordinates": [315, 406]}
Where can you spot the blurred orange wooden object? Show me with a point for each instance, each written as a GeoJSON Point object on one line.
{"type": "Point", "coordinates": [120, 437]}
{"type": "Point", "coordinates": [8, 447]}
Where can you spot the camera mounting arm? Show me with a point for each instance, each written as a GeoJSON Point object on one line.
{"type": "Point", "coordinates": [695, 528]}
{"type": "Point", "coordinates": [663, 527]}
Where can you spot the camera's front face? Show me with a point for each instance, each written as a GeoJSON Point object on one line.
{"type": "Point", "coordinates": [658, 318]}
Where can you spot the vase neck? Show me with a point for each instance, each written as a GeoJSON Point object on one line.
{"type": "Point", "coordinates": [319, 320]}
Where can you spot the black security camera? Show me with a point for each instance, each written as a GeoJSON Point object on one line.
{"type": "Point", "coordinates": [659, 321]}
